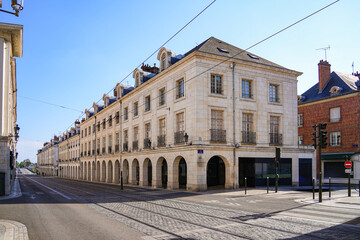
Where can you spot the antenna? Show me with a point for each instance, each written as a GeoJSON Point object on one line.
{"type": "Point", "coordinates": [325, 48]}
{"type": "Point", "coordinates": [353, 67]}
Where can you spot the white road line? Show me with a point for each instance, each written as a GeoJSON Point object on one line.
{"type": "Point", "coordinates": [63, 195]}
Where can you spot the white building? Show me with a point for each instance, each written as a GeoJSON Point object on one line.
{"type": "Point", "coordinates": [11, 41]}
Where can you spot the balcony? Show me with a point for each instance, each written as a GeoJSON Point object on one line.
{"type": "Point", "coordinates": [248, 137]}
{"type": "Point", "coordinates": [217, 136]}
{"type": "Point", "coordinates": [162, 141]}
{"type": "Point", "coordinates": [93, 152]}
{"type": "Point", "coordinates": [135, 145]}
{"type": "Point", "coordinates": [125, 146]}
{"type": "Point", "coordinates": [103, 150]}
{"type": "Point", "coordinates": [82, 154]}
{"type": "Point", "coordinates": [89, 153]}
{"type": "Point", "coordinates": [275, 139]}
{"type": "Point", "coordinates": [85, 154]}
{"type": "Point", "coordinates": [109, 149]}
{"type": "Point", "coordinates": [147, 143]}
{"type": "Point", "coordinates": [179, 137]}
{"type": "Point", "coordinates": [98, 151]}
{"type": "Point", "coordinates": [117, 148]}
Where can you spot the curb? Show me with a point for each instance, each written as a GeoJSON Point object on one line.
{"type": "Point", "coordinates": [15, 192]}
{"type": "Point", "coordinates": [13, 230]}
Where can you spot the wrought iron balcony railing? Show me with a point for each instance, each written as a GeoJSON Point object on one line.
{"type": "Point", "coordinates": [109, 149]}
{"type": "Point", "coordinates": [117, 148]}
{"type": "Point", "coordinates": [125, 146]}
{"type": "Point", "coordinates": [147, 143]}
{"type": "Point", "coordinates": [103, 150]}
{"type": "Point", "coordinates": [275, 139]}
{"type": "Point", "coordinates": [217, 135]}
{"type": "Point", "coordinates": [179, 137]}
{"type": "Point", "coordinates": [162, 141]}
{"type": "Point", "coordinates": [248, 137]}
{"type": "Point", "coordinates": [135, 145]}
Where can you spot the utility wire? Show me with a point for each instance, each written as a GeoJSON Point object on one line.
{"type": "Point", "coordinates": [155, 51]}
{"type": "Point", "coordinates": [49, 103]}
{"type": "Point", "coordinates": [229, 57]}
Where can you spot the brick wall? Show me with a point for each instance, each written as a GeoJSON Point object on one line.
{"type": "Point", "coordinates": [348, 125]}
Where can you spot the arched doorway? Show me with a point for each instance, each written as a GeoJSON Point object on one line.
{"type": "Point", "coordinates": [147, 172]}
{"type": "Point", "coordinates": [85, 170]}
{"type": "Point", "coordinates": [125, 171]}
{"type": "Point", "coordinates": [92, 176]}
{"type": "Point", "coordinates": [164, 173]}
{"type": "Point", "coordinates": [215, 172]}
{"type": "Point", "coordinates": [135, 172]}
{"type": "Point", "coordinates": [117, 171]}
{"type": "Point", "coordinates": [182, 173]}
{"type": "Point", "coordinates": [98, 171]}
{"type": "Point", "coordinates": [103, 172]}
{"type": "Point", "coordinates": [110, 172]}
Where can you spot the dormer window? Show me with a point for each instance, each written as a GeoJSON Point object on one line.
{"type": "Point", "coordinates": [335, 90]}
{"type": "Point", "coordinates": [163, 62]}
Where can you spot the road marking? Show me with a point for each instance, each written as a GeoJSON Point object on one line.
{"type": "Point", "coordinates": [63, 195]}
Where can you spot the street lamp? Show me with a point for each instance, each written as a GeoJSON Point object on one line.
{"type": "Point", "coordinates": [17, 5]}
{"type": "Point", "coordinates": [16, 129]}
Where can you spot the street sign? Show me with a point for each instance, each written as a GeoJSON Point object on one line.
{"type": "Point", "coordinates": [348, 170]}
{"type": "Point", "coordinates": [348, 164]}
{"type": "Point", "coordinates": [200, 151]}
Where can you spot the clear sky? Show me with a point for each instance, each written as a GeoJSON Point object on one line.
{"type": "Point", "coordinates": [75, 51]}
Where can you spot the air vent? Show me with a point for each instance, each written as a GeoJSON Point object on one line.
{"type": "Point", "coordinates": [253, 56]}
{"type": "Point", "coordinates": [223, 50]}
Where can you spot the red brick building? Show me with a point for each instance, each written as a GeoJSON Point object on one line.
{"type": "Point", "coordinates": [335, 100]}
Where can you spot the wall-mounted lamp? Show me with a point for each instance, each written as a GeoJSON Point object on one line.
{"type": "Point", "coordinates": [17, 5]}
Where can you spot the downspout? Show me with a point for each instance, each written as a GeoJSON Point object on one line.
{"type": "Point", "coordinates": [234, 133]}
{"type": "Point", "coordinates": [120, 147]}
{"type": "Point", "coordinates": [93, 177]}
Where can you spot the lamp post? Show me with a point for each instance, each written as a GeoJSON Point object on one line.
{"type": "Point", "coordinates": [17, 5]}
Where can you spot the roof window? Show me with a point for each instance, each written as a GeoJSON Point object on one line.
{"type": "Point", "coordinates": [223, 50]}
{"type": "Point", "coordinates": [253, 56]}
{"type": "Point", "coordinates": [335, 90]}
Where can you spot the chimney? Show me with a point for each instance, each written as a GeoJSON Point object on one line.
{"type": "Point", "coordinates": [324, 74]}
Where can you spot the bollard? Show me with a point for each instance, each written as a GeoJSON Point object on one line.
{"type": "Point", "coordinates": [313, 187]}
{"type": "Point", "coordinates": [121, 181]}
{"type": "Point", "coordinates": [245, 185]}
{"type": "Point", "coordinates": [349, 186]}
{"type": "Point", "coordinates": [329, 187]}
{"type": "Point", "coordinates": [276, 182]}
{"type": "Point", "coordinates": [267, 185]}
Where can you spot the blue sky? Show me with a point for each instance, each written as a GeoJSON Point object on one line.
{"type": "Point", "coordinates": [75, 51]}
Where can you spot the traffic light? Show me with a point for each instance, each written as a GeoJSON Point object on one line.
{"type": "Point", "coordinates": [323, 137]}
{"type": "Point", "coordinates": [314, 135]}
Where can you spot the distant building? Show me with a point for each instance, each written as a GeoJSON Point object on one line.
{"type": "Point", "coordinates": [48, 158]}
{"type": "Point", "coordinates": [200, 120]}
{"type": "Point", "coordinates": [11, 43]}
{"type": "Point", "coordinates": [335, 100]}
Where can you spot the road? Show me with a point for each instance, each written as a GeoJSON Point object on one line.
{"type": "Point", "coordinates": [54, 208]}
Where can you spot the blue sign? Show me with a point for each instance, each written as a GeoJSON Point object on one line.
{"type": "Point", "coordinates": [200, 151]}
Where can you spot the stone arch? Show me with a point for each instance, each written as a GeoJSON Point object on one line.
{"type": "Point", "coordinates": [135, 172]}
{"type": "Point", "coordinates": [125, 171]}
{"type": "Point", "coordinates": [110, 172]}
{"type": "Point", "coordinates": [98, 171]}
{"type": "Point", "coordinates": [85, 169]}
{"type": "Point", "coordinates": [103, 171]}
{"type": "Point", "coordinates": [161, 173]}
{"type": "Point", "coordinates": [216, 172]}
{"type": "Point", "coordinates": [79, 172]}
{"type": "Point", "coordinates": [179, 173]}
{"type": "Point", "coordinates": [117, 172]}
{"type": "Point", "coordinates": [92, 176]}
{"type": "Point", "coordinates": [147, 172]}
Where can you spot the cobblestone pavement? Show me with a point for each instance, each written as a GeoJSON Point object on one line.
{"type": "Point", "coordinates": [10, 230]}
{"type": "Point", "coordinates": [160, 215]}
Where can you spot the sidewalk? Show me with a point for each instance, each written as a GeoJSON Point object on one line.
{"type": "Point", "coordinates": [11, 230]}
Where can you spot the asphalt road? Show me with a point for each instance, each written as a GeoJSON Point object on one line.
{"type": "Point", "coordinates": [54, 208]}
{"type": "Point", "coordinates": [49, 215]}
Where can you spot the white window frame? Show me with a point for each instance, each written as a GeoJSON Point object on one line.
{"type": "Point", "coordinates": [335, 139]}
{"type": "Point", "coordinates": [300, 120]}
{"type": "Point", "coordinates": [335, 114]}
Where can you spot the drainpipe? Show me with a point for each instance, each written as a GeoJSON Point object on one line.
{"type": "Point", "coordinates": [120, 147]}
{"type": "Point", "coordinates": [234, 140]}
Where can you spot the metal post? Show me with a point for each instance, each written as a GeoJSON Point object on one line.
{"type": "Point", "coordinates": [329, 187]}
{"type": "Point", "coordinates": [276, 181]}
{"type": "Point", "coordinates": [245, 185]}
{"type": "Point", "coordinates": [359, 188]}
{"type": "Point", "coordinates": [267, 185]}
{"type": "Point", "coordinates": [313, 187]}
{"type": "Point", "coordinates": [349, 186]}
{"type": "Point", "coordinates": [234, 124]}
{"type": "Point", "coordinates": [320, 187]}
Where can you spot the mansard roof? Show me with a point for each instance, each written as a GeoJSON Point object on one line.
{"type": "Point", "coordinates": [346, 83]}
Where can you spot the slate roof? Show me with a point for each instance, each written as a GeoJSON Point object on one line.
{"type": "Point", "coordinates": [215, 46]}
{"type": "Point", "coordinates": [347, 82]}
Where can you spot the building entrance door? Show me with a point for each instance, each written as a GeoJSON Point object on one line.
{"type": "Point", "coordinates": [305, 169]}
{"type": "Point", "coordinates": [2, 184]}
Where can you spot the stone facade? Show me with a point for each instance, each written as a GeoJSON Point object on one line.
{"type": "Point", "coordinates": [48, 158]}
{"type": "Point", "coordinates": [175, 129]}
{"type": "Point", "coordinates": [10, 47]}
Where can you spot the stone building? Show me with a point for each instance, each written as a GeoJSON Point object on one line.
{"type": "Point", "coordinates": [334, 100]}
{"type": "Point", "coordinates": [202, 119]}
{"type": "Point", "coordinates": [69, 153]}
{"type": "Point", "coordinates": [11, 43]}
{"type": "Point", "coordinates": [47, 158]}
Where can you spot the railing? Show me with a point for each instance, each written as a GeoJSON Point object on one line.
{"type": "Point", "coordinates": [85, 154]}
{"type": "Point", "coordinates": [147, 107]}
{"type": "Point", "coordinates": [81, 154]}
{"type": "Point", "coordinates": [103, 150]}
{"type": "Point", "coordinates": [162, 141]}
{"type": "Point", "coordinates": [135, 145]}
{"type": "Point", "coordinates": [125, 146]}
{"type": "Point", "coordinates": [117, 148]}
{"type": "Point", "coordinates": [98, 151]}
{"type": "Point", "coordinates": [147, 143]}
{"type": "Point", "coordinates": [89, 153]}
{"type": "Point", "coordinates": [217, 135]}
{"type": "Point", "coordinates": [109, 149]}
{"type": "Point", "coordinates": [248, 137]}
{"type": "Point", "coordinates": [179, 137]}
{"type": "Point", "coordinates": [93, 152]}
{"type": "Point", "coordinates": [275, 139]}
{"type": "Point", "coordinates": [274, 99]}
